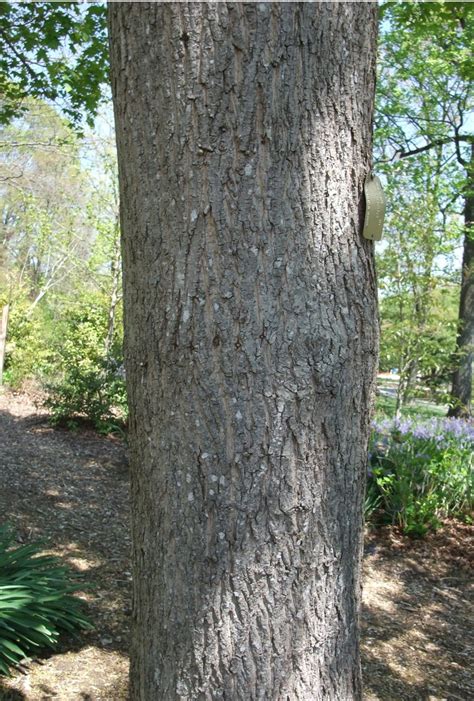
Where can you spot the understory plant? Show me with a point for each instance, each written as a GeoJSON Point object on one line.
{"type": "Point", "coordinates": [36, 601]}
{"type": "Point", "coordinates": [96, 393]}
{"type": "Point", "coordinates": [29, 353]}
{"type": "Point", "coordinates": [88, 382]}
{"type": "Point", "coordinates": [420, 472]}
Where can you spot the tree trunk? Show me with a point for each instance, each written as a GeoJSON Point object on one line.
{"type": "Point", "coordinates": [3, 338]}
{"type": "Point", "coordinates": [114, 299]}
{"type": "Point", "coordinates": [405, 385]}
{"type": "Point", "coordinates": [244, 138]}
{"type": "Point", "coordinates": [461, 393]}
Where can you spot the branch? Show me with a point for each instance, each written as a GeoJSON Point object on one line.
{"type": "Point", "coordinates": [19, 144]}
{"type": "Point", "coordinates": [20, 58]}
{"type": "Point", "coordinates": [433, 144]}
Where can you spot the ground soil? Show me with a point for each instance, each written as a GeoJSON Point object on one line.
{"type": "Point", "coordinates": [72, 489]}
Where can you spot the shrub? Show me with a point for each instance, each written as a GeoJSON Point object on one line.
{"type": "Point", "coordinates": [97, 394]}
{"type": "Point", "coordinates": [28, 348]}
{"type": "Point", "coordinates": [36, 601]}
{"type": "Point", "coordinates": [87, 383]}
{"type": "Point", "coordinates": [420, 473]}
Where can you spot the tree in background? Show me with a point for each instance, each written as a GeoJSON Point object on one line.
{"type": "Point", "coordinates": [44, 195]}
{"type": "Point", "coordinates": [55, 51]}
{"type": "Point", "coordinates": [61, 264]}
{"type": "Point", "coordinates": [89, 363]}
{"type": "Point", "coordinates": [43, 230]}
{"type": "Point", "coordinates": [415, 266]}
{"type": "Point", "coordinates": [106, 260]}
{"type": "Point", "coordinates": [425, 106]}
{"type": "Point", "coordinates": [462, 378]}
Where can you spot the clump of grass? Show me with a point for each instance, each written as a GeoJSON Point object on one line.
{"type": "Point", "coordinates": [36, 601]}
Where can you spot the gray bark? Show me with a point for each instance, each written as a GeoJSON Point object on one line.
{"type": "Point", "coordinates": [461, 393]}
{"type": "Point", "coordinates": [3, 338]}
{"type": "Point", "coordinates": [115, 292]}
{"type": "Point", "coordinates": [244, 137]}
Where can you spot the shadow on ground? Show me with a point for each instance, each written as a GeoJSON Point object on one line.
{"type": "Point", "coordinates": [10, 694]}
{"type": "Point", "coordinates": [417, 641]}
{"type": "Point", "coordinates": [71, 490]}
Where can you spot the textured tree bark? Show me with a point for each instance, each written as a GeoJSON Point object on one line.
{"type": "Point", "coordinates": [461, 392]}
{"type": "Point", "coordinates": [244, 137]}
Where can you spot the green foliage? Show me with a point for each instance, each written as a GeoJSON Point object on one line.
{"type": "Point", "coordinates": [423, 140]}
{"type": "Point", "coordinates": [43, 228]}
{"type": "Point", "coordinates": [419, 299]}
{"type": "Point", "coordinates": [87, 382]}
{"type": "Point", "coordinates": [60, 267]}
{"type": "Point", "coordinates": [36, 601]}
{"type": "Point", "coordinates": [425, 84]}
{"type": "Point", "coordinates": [54, 51]}
{"type": "Point", "coordinates": [28, 350]}
{"type": "Point", "coordinates": [447, 25]}
{"type": "Point", "coordinates": [420, 334]}
{"type": "Point", "coordinates": [420, 472]}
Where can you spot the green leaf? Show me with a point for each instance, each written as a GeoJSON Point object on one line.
{"type": "Point", "coordinates": [36, 601]}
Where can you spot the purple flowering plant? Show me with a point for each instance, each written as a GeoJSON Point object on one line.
{"type": "Point", "coordinates": [420, 472]}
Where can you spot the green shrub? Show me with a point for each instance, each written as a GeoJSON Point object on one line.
{"type": "Point", "coordinates": [36, 601]}
{"type": "Point", "coordinates": [87, 384]}
{"type": "Point", "coordinates": [29, 352]}
{"type": "Point", "coordinates": [97, 394]}
{"type": "Point", "coordinates": [420, 473]}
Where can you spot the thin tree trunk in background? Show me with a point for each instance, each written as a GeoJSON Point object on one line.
{"type": "Point", "coordinates": [3, 339]}
{"type": "Point", "coordinates": [461, 393]}
{"type": "Point", "coordinates": [405, 384]}
{"type": "Point", "coordinates": [115, 292]}
{"type": "Point", "coordinates": [244, 138]}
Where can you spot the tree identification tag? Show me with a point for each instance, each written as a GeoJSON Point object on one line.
{"type": "Point", "coordinates": [375, 203]}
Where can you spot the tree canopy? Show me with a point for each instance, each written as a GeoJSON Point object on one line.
{"type": "Point", "coordinates": [423, 142]}
{"type": "Point", "coordinates": [56, 51]}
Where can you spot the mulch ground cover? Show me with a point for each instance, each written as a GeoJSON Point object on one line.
{"type": "Point", "coordinates": [71, 488]}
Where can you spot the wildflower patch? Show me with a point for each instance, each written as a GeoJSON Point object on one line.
{"type": "Point", "coordinates": [420, 472]}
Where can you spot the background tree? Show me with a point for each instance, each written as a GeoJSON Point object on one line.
{"type": "Point", "coordinates": [105, 264]}
{"type": "Point", "coordinates": [44, 195]}
{"type": "Point", "coordinates": [425, 105]}
{"type": "Point", "coordinates": [55, 51]}
{"type": "Point", "coordinates": [43, 230]}
{"type": "Point", "coordinates": [416, 271]}
{"type": "Point", "coordinates": [462, 378]}
{"type": "Point", "coordinates": [61, 264]}
{"type": "Point", "coordinates": [244, 135]}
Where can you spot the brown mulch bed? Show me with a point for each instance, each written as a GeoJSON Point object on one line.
{"type": "Point", "coordinates": [72, 489]}
{"type": "Point", "coordinates": [417, 642]}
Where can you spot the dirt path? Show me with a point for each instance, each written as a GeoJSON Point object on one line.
{"type": "Point", "coordinates": [72, 489]}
